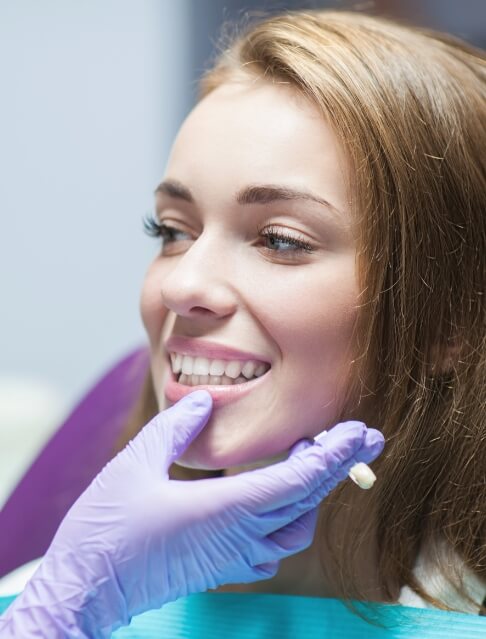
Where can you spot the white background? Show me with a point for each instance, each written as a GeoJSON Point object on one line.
{"type": "Point", "coordinates": [89, 107]}
{"type": "Point", "coordinates": [92, 93]}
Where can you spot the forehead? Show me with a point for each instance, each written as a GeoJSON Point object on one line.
{"type": "Point", "coordinates": [247, 132]}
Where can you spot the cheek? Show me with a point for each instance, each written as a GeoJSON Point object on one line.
{"type": "Point", "coordinates": [313, 306]}
{"type": "Point", "coordinates": [152, 310]}
{"type": "Point", "coordinates": [312, 318]}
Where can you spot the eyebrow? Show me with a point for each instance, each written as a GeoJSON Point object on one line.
{"type": "Point", "coordinates": [251, 194]}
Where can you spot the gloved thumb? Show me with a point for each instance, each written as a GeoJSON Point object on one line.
{"type": "Point", "coordinates": [185, 420]}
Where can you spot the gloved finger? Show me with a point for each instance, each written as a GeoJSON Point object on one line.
{"type": "Point", "coordinates": [168, 434]}
{"type": "Point", "coordinates": [187, 418]}
{"type": "Point", "coordinates": [372, 447]}
{"type": "Point", "coordinates": [266, 570]}
{"type": "Point", "coordinates": [370, 450]}
{"type": "Point", "coordinates": [298, 534]}
{"type": "Point", "coordinates": [271, 521]}
{"type": "Point", "coordinates": [289, 481]}
{"type": "Point", "coordinates": [287, 541]}
{"type": "Point", "coordinates": [258, 572]}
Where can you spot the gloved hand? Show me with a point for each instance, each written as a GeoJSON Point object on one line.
{"type": "Point", "coordinates": [135, 539]}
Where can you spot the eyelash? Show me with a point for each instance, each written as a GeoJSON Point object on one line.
{"type": "Point", "coordinates": [274, 233]}
{"type": "Point", "coordinates": [156, 229]}
{"type": "Point", "coordinates": [279, 234]}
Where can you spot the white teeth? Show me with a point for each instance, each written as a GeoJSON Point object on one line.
{"type": "Point", "coordinates": [233, 369]}
{"type": "Point", "coordinates": [211, 380]}
{"type": "Point", "coordinates": [200, 366]}
{"type": "Point", "coordinates": [187, 363]}
{"type": "Point", "coordinates": [216, 367]}
{"type": "Point", "coordinates": [176, 362]}
{"type": "Point", "coordinates": [248, 369]}
{"type": "Point", "coordinates": [260, 369]}
{"type": "Point", "coordinates": [202, 370]}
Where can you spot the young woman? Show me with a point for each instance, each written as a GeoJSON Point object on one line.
{"type": "Point", "coordinates": [322, 217]}
{"type": "Point", "coordinates": [323, 207]}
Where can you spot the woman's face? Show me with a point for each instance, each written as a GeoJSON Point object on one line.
{"type": "Point", "coordinates": [257, 268]}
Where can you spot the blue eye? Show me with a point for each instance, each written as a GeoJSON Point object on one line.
{"type": "Point", "coordinates": [278, 240]}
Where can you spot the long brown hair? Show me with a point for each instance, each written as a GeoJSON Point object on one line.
{"type": "Point", "coordinates": [409, 106]}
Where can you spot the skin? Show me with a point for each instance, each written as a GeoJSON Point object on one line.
{"type": "Point", "coordinates": [222, 281]}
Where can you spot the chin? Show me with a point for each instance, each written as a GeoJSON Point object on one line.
{"type": "Point", "coordinates": [224, 444]}
{"type": "Point", "coordinates": [203, 454]}
{"type": "Point", "coordinates": [196, 465]}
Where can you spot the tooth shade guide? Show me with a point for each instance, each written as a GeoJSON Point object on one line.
{"type": "Point", "coordinates": [360, 473]}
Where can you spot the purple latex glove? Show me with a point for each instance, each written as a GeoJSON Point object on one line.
{"type": "Point", "coordinates": [135, 539]}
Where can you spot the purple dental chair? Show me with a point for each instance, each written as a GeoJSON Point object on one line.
{"type": "Point", "coordinates": [73, 456]}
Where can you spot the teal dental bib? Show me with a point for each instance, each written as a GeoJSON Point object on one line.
{"type": "Point", "coordinates": [262, 616]}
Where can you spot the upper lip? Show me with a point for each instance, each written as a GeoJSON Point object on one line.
{"type": "Point", "coordinates": [208, 349]}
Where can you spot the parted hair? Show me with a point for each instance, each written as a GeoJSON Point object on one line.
{"type": "Point", "coordinates": [409, 107]}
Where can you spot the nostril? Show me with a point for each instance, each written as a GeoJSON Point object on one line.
{"type": "Point", "coordinates": [201, 310]}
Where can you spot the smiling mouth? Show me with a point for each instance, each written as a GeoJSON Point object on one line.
{"type": "Point", "coordinates": [196, 371]}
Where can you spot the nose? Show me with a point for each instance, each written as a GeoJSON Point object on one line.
{"type": "Point", "coordinates": [199, 285]}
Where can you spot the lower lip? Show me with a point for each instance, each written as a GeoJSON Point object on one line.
{"type": "Point", "coordinates": [222, 395]}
